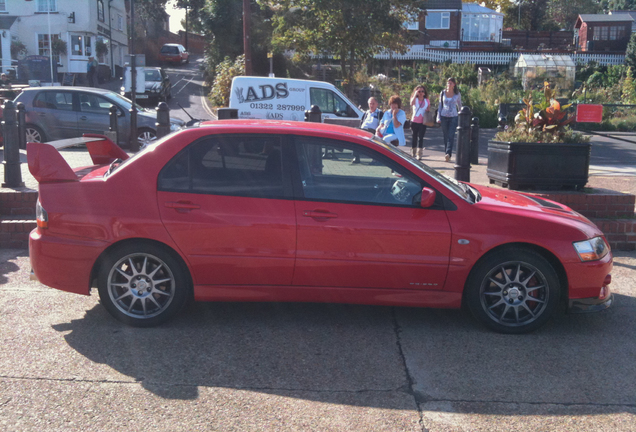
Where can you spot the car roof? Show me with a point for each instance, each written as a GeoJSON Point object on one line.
{"type": "Point", "coordinates": [172, 44]}
{"type": "Point", "coordinates": [288, 127]}
{"type": "Point", "coordinates": [68, 88]}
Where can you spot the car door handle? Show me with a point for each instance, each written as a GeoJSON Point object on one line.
{"type": "Point", "coordinates": [182, 206]}
{"type": "Point", "coordinates": [319, 214]}
{"type": "Point", "coordinates": [83, 118]}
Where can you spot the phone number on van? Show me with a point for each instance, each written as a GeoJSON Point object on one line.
{"type": "Point", "coordinates": [279, 107]}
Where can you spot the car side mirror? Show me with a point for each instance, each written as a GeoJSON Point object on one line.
{"type": "Point", "coordinates": [428, 198]}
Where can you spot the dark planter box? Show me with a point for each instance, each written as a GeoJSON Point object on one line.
{"type": "Point", "coordinates": [538, 165]}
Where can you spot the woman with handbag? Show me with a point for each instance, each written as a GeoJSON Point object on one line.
{"type": "Point", "coordinates": [450, 103]}
{"type": "Point", "coordinates": [391, 127]}
{"type": "Point", "coordinates": [419, 106]}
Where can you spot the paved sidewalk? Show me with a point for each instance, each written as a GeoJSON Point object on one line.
{"type": "Point", "coordinates": [620, 178]}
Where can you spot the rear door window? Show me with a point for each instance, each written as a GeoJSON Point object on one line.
{"type": "Point", "coordinates": [54, 100]}
{"type": "Point", "coordinates": [248, 165]}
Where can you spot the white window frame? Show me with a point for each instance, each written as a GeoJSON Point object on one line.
{"type": "Point", "coordinates": [444, 16]}
{"type": "Point", "coordinates": [120, 22]}
{"type": "Point", "coordinates": [44, 6]}
{"type": "Point", "coordinates": [101, 13]}
{"type": "Point", "coordinates": [3, 5]}
{"type": "Point", "coordinates": [413, 23]}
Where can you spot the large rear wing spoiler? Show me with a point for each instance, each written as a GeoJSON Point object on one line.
{"type": "Point", "coordinates": [46, 163]}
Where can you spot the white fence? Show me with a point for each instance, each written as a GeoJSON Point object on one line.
{"type": "Point", "coordinates": [420, 52]}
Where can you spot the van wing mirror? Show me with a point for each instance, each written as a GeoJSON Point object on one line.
{"type": "Point", "coordinates": [428, 198]}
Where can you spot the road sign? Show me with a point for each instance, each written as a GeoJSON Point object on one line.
{"type": "Point", "coordinates": [586, 113]}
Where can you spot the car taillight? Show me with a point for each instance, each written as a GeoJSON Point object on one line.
{"type": "Point", "coordinates": [41, 216]}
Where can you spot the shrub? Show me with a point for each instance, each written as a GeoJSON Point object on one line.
{"type": "Point", "coordinates": [225, 72]}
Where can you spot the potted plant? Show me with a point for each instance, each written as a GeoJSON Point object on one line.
{"type": "Point", "coordinates": [540, 151]}
{"type": "Point", "coordinates": [18, 50]}
{"type": "Point", "coordinates": [101, 49]}
{"type": "Point", "coordinates": [58, 48]}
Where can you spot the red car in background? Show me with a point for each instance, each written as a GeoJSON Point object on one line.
{"type": "Point", "coordinates": [174, 53]}
{"type": "Point", "coordinates": [249, 210]}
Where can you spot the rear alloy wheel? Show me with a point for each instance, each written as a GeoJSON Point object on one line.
{"type": "Point", "coordinates": [34, 134]}
{"type": "Point", "coordinates": [146, 137]}
{"type": "Point", "coordinates": [513, 291]}
{"type": "Point", "coordinates": [142, 285]}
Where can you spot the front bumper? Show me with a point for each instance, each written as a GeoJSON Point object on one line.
{"type": "Point", "coordinates": [593, 304]}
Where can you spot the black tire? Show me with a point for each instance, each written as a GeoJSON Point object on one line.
{"type": "Point", "coordinates": [146, 136]}
{"type": "Point", "coordinates": [513, 291]}
{"type": "Point", "coordinates": [34, 134]}
{"type": "Point", "coordinates": [142, 285]}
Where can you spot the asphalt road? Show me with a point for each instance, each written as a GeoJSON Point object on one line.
{"type": "Point", "coordinates": [188, 90]}
{"type": "Point", "coordinates": [66, 365]}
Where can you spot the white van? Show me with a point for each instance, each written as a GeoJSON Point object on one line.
{"type": "Point", "coordinates": [288, 99]}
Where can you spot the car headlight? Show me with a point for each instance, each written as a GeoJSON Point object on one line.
{"type": "Point", "coordinates": [592, 249]}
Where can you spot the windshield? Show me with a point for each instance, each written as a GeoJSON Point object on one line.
{"type": "Point", "coordinates": [460, 189]}
{"type": "Point", "coordinates": [152, 75]}
{"type": "Point", "coordinates": [123, 102]}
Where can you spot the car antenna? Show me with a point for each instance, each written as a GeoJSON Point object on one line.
{"type": "Point", "coordinates": [191, 118]}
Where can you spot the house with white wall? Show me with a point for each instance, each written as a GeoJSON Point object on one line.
{"type": "Point", "coordinates": [80, 23]}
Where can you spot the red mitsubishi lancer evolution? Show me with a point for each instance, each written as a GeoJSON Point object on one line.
{"type": "Point", "coordinates": [256, 210]}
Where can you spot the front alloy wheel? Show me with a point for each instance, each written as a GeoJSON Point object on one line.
{"type": "Point", "coordinates": [146, 137]}
{"type": "Point", "coordinates": [514, 292]}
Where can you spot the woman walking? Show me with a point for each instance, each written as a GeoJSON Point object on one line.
{"type": "Point", "coordinates": [450, 103]}
{"type": "Point", "coordinates": [419, 105]}
{"type": "Point", "coordinates": [392, 125]}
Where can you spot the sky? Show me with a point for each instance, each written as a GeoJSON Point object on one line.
{"type": "Point", "coordinates": [176, 16]}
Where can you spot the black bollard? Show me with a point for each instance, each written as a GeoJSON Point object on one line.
{"type": "Point", "coordinates": [313, 114]}
{"type": "Point", "coordinates": [474, 141]}
{"type": "Point", "coordinates": [502, 117]}
{"type": "Point", "coordinates": [462, 167]}
{"type": "Point", "coordinates": [134, 141]}
{"type": "Point", "coordinates": [163, 120]}
{"type": "Point", "coordinates": [21, 124]}
{"type": "Point", "coordinates": [12, 172]}
{"type": "Point", "coordinates": [114, 128]}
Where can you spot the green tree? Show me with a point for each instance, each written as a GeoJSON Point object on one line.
{"type": "Point", "coordinates": [621, 5]}
{"type": "Point", "coordinates": [630, 53]}
{"type": "Point", "coordinates": [149, 17]}
{"type": "Point", "coordinates": [351, 31]}
{"type": "Point", "coordinates": [629, 88]}
{"type": "Point", "coordinates": [565, 12]}
{"type": "Point", "coordinates": [221, 22]}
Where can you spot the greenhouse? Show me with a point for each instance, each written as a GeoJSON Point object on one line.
{"type": "Point", "coordinates": [534, 69]}
{"type": "Point", "coordinates": [480, 24]}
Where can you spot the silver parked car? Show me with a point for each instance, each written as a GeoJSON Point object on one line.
{"type": "Point", "coordinates": [54, 113]}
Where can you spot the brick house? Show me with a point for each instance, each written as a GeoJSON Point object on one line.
{"type": "Point", "coordinates": [440, 24]}
{"type": "Point", "coordinates": [604, 33]}
{"type": "Point", "coordinates": [452, 24]}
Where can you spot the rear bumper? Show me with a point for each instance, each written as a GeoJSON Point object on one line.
{"type": "Point", "coordinates": [593, 304]}
{"type": "Point", "coordinates": [63, 263]}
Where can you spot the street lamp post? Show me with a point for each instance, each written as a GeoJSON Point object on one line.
{"type": "Point", "coordinates": [134, 143]}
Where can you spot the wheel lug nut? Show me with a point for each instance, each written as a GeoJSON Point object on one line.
{"type": "Point", "coordinates": [505, 293]}
{"type": "Point", "coordinates": [511, 301]}
{"type": "Point", "coordinates": [148, 289]}
{"type": "Point", "coordinates": [140, 292]}
{"type": "Point", "coordinates": [520, 297]}
{"type": "Point", "coordinates": [133, 285]}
